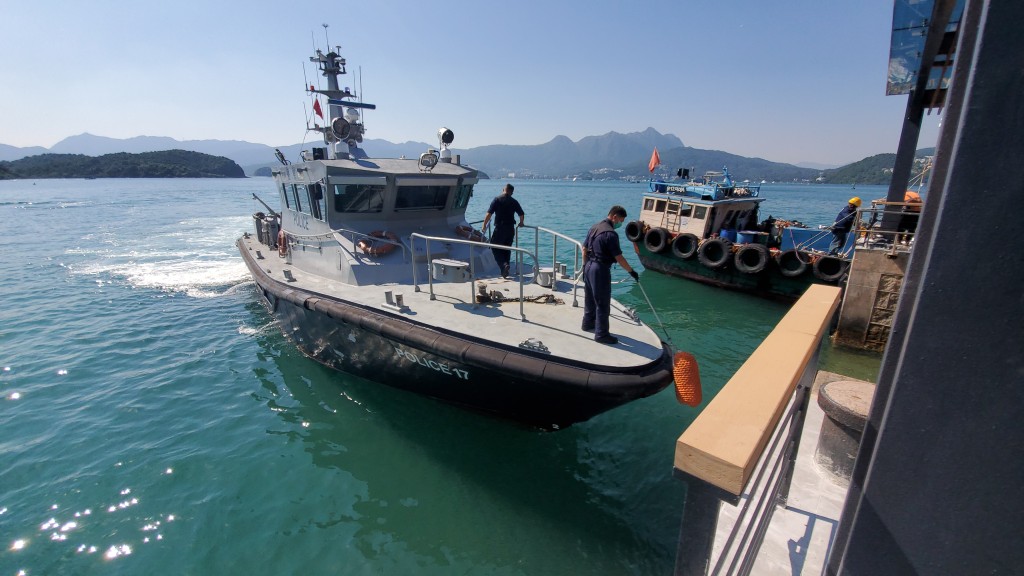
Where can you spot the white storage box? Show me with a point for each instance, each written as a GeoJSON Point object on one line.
{"type": "Point", "coordinates": [447, 270]}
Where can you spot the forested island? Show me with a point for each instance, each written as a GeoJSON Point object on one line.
{"type": "Point", "coordinates": [165, 164]}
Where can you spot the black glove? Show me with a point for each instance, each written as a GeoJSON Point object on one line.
{"type": "Point", "coordinates": [634, 275]}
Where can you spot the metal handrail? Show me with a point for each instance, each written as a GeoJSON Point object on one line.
{"type": "Point", "coordinates": [769, 484]}
{"type": "Point", "coordinates": [577, 252]}
{"type": "Point", "coordinates": [873, 234]}
{"type": "Point", "coordinates": [472, 266]}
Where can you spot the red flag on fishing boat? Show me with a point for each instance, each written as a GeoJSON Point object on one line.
{"type": "Point", "coordinates": [316, 108]}
{"type": "Point", "coordinates": [655, 160]}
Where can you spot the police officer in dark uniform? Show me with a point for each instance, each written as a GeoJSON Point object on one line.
{"type": "Point", "coordinates": [600, 251]}
{"type": "Point", "coordinates": [504, 208]}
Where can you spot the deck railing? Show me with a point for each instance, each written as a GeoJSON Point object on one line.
{"type": "Point", "coordinates": [756, 417]}
{"type": "Point", "coordinates": [520, 255]}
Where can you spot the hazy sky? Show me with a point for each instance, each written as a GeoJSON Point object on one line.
{"type": "Point", "coordinates": [789, 81]}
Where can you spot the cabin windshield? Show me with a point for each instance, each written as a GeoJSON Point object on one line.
{"type": "Point", "coordinates": [286, 197]}
{"type": "Point", "coordinates": [297, 194]}
{"type": "Point", "coordinates": [358, 198]}
{"type": "Point", "coordinates": [421, 198]}
{"type": "Point", "coordinates": [317, 203]}
{"type": "Point", "coordinates": [462, 195]}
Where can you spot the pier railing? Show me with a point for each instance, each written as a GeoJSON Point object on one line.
{"type": "Point", "coordinates": [872, 233]}
{"type": "Point", "coordinates": [757, 417]}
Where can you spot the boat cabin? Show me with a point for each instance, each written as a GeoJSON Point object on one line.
{"type": "Point", "coordinates": [694, 215]}
{"type": "Point", "coordinates": [368, 209]}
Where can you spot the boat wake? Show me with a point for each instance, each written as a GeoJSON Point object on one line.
{"type": "Point", "coordinates": [196, 260]}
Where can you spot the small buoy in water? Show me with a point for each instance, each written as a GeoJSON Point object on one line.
{"type": "Point", "coordinates": [687, 378]}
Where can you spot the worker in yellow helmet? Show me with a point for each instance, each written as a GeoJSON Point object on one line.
{"type": "Point", "coordinates": [841, 227]}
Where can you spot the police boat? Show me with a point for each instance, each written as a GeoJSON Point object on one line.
{"type": "Point", "coordinates": [370, 266]}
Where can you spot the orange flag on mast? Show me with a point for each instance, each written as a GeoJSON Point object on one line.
{"type": "Point", "coordinates": [655, 160]}
{"type": "Point", "coordinates": [316, 108]}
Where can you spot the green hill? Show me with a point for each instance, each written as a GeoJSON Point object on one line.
{"type": "Point", "coordinates": [166, 164]}
{"type": "Point", "coordinates": [875, 169]}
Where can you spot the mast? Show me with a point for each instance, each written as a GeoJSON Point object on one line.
{"type": "Point", "coordinates": [344, 125]}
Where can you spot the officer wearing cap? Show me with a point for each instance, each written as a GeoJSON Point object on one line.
{"type": "Point", "coordinates": [842, 225]}
{"type": "Point", "coordinates": [600, 251]}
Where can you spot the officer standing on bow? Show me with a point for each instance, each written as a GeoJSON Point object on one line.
{"type": "Point", "coordinates": [600, 251]}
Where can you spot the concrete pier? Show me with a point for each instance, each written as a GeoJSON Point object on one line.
{"type": "Point", "coordinates": [870, 298]}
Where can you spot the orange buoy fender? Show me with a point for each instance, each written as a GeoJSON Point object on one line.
{"type": "Point", "coordinates": [686, 375]}
{"type": "Point", "coordinates": [282, 243]}
{"type": "Point", "coordinates": [371, 248]}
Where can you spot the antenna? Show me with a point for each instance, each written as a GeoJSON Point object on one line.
{"type": "Point", "coordinates": [361, 97]}
{"type": "Point", "coordinates": [328, 40]}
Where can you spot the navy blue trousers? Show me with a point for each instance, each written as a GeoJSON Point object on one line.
{"type": "Point", "coordinates": [504, 235]}
{"type": "Point", "coordinates": [597, 292]}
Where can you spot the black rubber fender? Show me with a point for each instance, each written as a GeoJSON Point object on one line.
{"type": "Point", "coordinates": [684, 246]}
{"type": "Point", "coordinates": [751, 258]}
{"type": "Point", "coordinates": [714, 253]}
{"type": "Point", "coordinates": [829, 268]}
{"type": "Point", "coordinates": [656, 240]}
{"type": "Point", "coordinates": [791, 263]}
{"type": "Point", "coordinates": [634, 231]}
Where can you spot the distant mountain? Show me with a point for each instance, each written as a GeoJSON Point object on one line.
{"type": "Point", "coordinates": [241, 152]}
{"type": "Point", "coordinates": [563, 157]}
{"type": "Point", "coordinates": [611, 155]}
{"type": "Point", "coordinates": [14, 153]}
{"type": "Point", "coordinates": [164, 164]}
{"type": "Point", "coordinates": [815, 165]}
{"type": "Point", "coordinates": [876, 169]}
{"type": "Point", "coordinates": [740, 168]}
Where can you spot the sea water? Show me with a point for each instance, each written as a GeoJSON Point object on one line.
{"type": "Point", "coordinates": [154, 420]}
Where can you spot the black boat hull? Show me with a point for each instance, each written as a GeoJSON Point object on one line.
{"type": "Point", "coordinates": [769, 282]}
{"type": "Point", "coordinates": [511, 383]}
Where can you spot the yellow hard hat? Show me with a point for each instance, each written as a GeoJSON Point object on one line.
{"type": "Point", "coordinates": [855, 201]}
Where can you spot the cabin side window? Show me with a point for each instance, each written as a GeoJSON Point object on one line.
{"type": "Point", "coordinates": [462, 195]}
{"type": "Point", "coordinates": [686, 210]}
{"type": "Point", "coordinates": [659, 205]}
{"type": "Point", "coordinates": [358, 198]}
{"type": "Point", "coordinates": [421, 198]}
{"type": "Point", "coordinates": [285, 196]}
{"type": "Point", "coordinates": [648, 204]}
{"type": "Point", "coordinates": [297, 194]}
{"type": "Point", "coordinates": [700, 212]}
{"type": "Point", "coordinates": [317, 204]}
